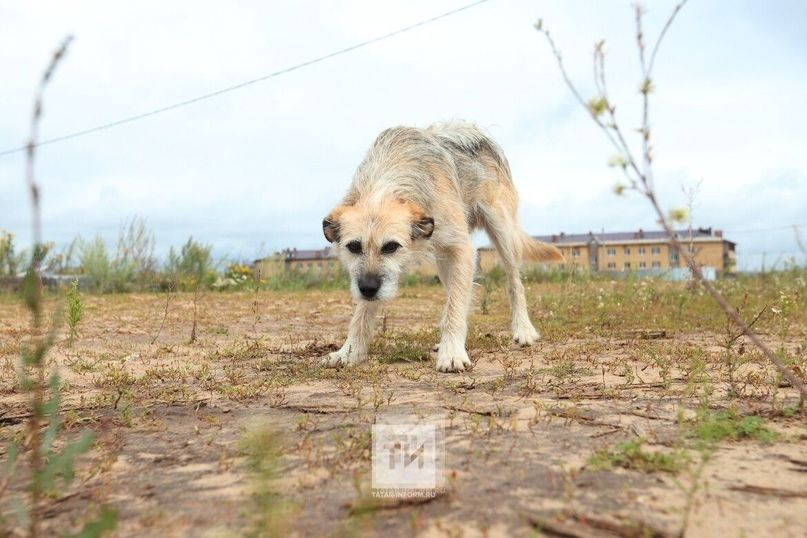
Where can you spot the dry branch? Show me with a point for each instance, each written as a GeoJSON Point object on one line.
{"type": "Point", "coordinates": [640, 178]}
{"type": "Point", "coordinates": [33, 293]}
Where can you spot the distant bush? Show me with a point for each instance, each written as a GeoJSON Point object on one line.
{"type": "Point", "coordinates": [94, 262]}
{"type": "Point", "coordinates": [135, 264]}
{"type": "Point", "coordinates": [11, 262]}
{"type": "Point", "coordinates": [192, 267]}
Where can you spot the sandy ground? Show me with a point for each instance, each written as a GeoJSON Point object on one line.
{"type": "Point", "coordinates": [521, 428]}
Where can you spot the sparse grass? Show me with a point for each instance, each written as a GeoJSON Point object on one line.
{"type": "Point", "coordinates": [261, 352]}
{"type": "Point", "coordinates": [631, 455]}
{"type": "Point", "coordinates": [404, 347]}
{"type": "Point", "coordinates": [714, 427]}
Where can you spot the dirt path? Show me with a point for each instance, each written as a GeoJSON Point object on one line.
{"type": "Point", "coordinates": [586, 434]}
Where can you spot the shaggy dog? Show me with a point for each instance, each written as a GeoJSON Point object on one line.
{"type": "Point", "coordinates": [424, 191]}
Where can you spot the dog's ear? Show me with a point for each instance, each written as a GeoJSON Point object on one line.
{"type": "Point", "coordinates": [422, 228]}
{"type": "Point", "coordinates": [330, 228]}
{"type": "Point", "coordinates": [330, 225]}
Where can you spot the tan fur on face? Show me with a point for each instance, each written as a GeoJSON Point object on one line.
{"type": "Point", "coordinates": [374, 223]}
{"type": "Point", "coordinates": [427, 190]}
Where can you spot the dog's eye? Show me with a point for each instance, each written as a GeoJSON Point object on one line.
{"type": "Point", "coordinates": [354, 247]}
{"type": "Point", "coordinates": [390, 247]}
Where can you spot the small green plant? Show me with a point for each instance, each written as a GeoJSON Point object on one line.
{"type": "Point", "coordinates": [631, 455]}
{"type": "Point", "coordinates": [75, 310]}
{"type": "Point", "coordinates": [270, 513]}
{"type": "Point", "coordinates": [713, 427]}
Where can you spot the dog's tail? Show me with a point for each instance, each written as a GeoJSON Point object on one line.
{"type": "Point", "coordinates": [538, 251]}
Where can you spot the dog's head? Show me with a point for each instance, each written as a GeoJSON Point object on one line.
{"type": "Point", "coordinates": [375, 242]}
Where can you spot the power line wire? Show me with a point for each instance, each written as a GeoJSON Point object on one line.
{"type": "Point", "coordinates": [244, 84]}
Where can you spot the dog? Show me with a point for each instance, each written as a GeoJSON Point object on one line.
{"type": "Point", "coordinates": [423, 191]}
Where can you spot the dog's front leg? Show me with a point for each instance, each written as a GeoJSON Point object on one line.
{"type": "Point", "coordinates": [359, 335]}
{"type": "Point", "coordinates": [456, 267]}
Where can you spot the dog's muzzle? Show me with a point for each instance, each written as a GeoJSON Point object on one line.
{"type": "Point", "coordinates": [369, 285]}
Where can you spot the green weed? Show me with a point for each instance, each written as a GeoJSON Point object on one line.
{"type": "Point", "coordinates": [631, 455]}
{"type": "Point", "coordinates": [713, 427]}
{"type": "Point", "coordinates": [75, 310]}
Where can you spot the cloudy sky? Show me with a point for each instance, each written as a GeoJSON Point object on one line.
{"type": "Point", "coordinates": [255, 170]}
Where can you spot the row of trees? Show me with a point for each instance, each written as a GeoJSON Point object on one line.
{"type": "Point", "coordinates": [132, 266]}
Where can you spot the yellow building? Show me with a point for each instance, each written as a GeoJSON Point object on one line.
{"type": "Point", "coordinates": [644, 251]}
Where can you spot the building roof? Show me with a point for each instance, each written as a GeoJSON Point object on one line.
{"type": "Point", "coordinates": [306, 254]}
{"type": "Point", "coordinates": [639, 236]}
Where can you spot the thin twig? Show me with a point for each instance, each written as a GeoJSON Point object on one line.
{"type": "Point", "coordinates": [663, 33]}
{"type": "Point", "coordinates": [619, 142]}
{"type": "Point", "coordinates": [169, 294]}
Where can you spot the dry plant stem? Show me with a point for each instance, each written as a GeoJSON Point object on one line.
{"type": "Point", "coordinates": [195, 305]}
{"type": "Point", "coordinates": [35, 298]}
{"type": "Point", "coordinates": [169, 294]}
{"type": "Point", "coordinates": [640, 178]}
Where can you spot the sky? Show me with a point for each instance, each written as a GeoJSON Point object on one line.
{"type": "Point", "coordinates": [255, 170]}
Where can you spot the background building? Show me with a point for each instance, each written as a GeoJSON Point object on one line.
{"type": "Point", "coordinates": [633, 251]}
{"type": "Point", "coordinates": [643, 251]}
{"type": "Point", "coordinates": [321, 261]}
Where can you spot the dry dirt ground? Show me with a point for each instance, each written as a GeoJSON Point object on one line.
{"type": "Point", "coordinates": [637, 414]}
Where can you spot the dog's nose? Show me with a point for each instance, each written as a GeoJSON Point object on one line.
{"type": "Point", "coordinates": [368, 285]}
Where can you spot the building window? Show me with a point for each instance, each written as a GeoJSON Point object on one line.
{"type": "Point", "coordinates": [611, 252]}
{"type": "Point", "coordinates": [656, 264]}
{"type": "Point", "coordinates": [674, 257]}
{"type": "Point", "coordinates": [655, 250]}
{"type": "Point", "coordinates": [641, 251]}
{"type": "Point", "coordinates": [626, 251]}
{"type": "Point", "coordinates": [642, 265]}
{"type": "Point", "coordinates": [575, 253]}
{"type": "Point", "coordinates": [611, 265]}
{"type": "Point", "coordinates": [627, 266]}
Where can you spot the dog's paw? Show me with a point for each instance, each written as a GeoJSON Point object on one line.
{"type": "Point", "coordinates": [452, 360]}
{"type": "Point", "coordinates": [525, 335]}
{"type": "Point", "coordinates": [339, 358]}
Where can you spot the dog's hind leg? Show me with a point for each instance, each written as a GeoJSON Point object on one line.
{"type": "Point", "coordinates": [456, 268]}
{"type": "Point", "coordinates": [506, 234]}
{"type": "Point", "coordinates": [359, 335]}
